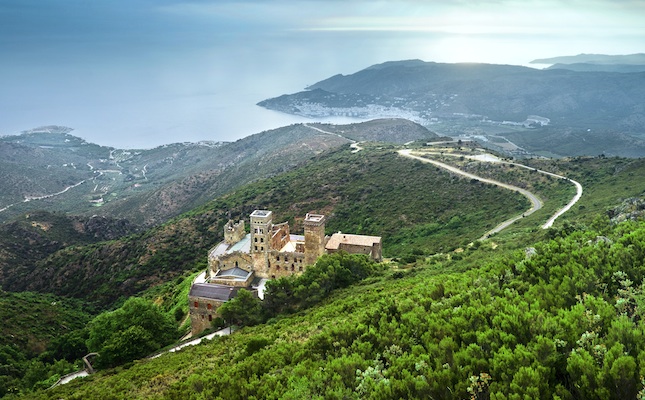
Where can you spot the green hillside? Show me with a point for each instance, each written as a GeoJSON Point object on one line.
{"type": "Point", "coordinates": [416, 208]}
{"type": "Point", "coordinates": [150, 186]}
{"type": "Point", "coordinates": [563, 320]}
{"type": "Point", "coordinates": [443, 317]}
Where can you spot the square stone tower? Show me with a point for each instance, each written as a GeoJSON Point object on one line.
{"type": "Point", "coordinates": [234, 232]}
{"type": "Point", "coordinates": [261, 224]}
{"type": "Point", "coordinates": [314, 237]}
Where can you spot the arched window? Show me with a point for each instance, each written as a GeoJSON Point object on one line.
{"type": "Point", "coordinates": [196, 304]}
{"type": "Point", "coordinates": [293, 267]}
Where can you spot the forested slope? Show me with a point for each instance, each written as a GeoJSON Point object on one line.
{"type": "Point", "coordinates": [415, 207]}
{"type": "Point", "coordinates": [562, 319]}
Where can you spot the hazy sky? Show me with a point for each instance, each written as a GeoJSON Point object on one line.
{"type": "Point", "coordinates": [139, 73]}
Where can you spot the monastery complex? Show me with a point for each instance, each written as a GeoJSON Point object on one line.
{"type": "Point", "coordinates": [269, 251]}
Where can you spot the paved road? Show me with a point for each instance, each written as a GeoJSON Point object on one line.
{"type": "Point", "coordinates": [536, 203]}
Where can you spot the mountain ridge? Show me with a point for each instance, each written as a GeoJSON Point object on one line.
{"type": "Point", "coordinates": [489, 100]}
{"type": "Point", "coordinates": [148, 187]}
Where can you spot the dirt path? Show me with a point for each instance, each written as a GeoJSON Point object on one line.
{"type": "Point", "coordinates": [535, 201]}
{"type": "Point", "coordinates": [355, 145]}
{"type": "Point", "coordinates": [494, 159]}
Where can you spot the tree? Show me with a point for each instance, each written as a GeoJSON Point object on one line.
{"type": "Point", "coordinates": [243, 309]}
{"type": "Point", "coordinates": [130, 332]}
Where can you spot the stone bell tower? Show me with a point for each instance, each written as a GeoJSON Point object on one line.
{"type": "Point", "coordinates": [314, 237]}
{"type": "Point", "coordinates": [261, 224]}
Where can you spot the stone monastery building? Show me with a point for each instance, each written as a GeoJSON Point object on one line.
{"type": "Point", "coordinates": [269, 251]}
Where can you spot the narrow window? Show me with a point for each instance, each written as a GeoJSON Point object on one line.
{"type": "Point", "coordinates": [293, 267]}
{"type": "Point", "coordinates": [300, 269]}
{"type": "Point", "coordinates": [256, 248]}
{"type": "Point", "coordinates": [277, 267]}
{"type": "Point", "coordinates": [278, 258]}
{"type": "Point", "coordinates": [209, 306]}
{"type": "Point", "coordinates": [196, 304]}
{"type": "Point", "coordinates": [261, 240]}
{"type": "Point", "coordinates": [255, 240]}
{"type": "Point", "coordinates": [210, 317]}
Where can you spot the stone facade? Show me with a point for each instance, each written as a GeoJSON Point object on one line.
{"type": "Point", "coordinates": [203, 302]}
{"type": "Point", "coordinates": [314, 237]}
{"type": "Point", "coordinates": [234, 232]}
{"type": "Point", "coordinates": [355, 244]}
{"type": "Point", "coordinates": [269, 251]}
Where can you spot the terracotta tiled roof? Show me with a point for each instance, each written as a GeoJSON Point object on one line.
{"type": "Point", "coordinates": [337, 239]}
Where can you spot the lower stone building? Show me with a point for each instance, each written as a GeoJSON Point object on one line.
{"type": "Point", "coordinates": [268, 251]}
{"type": "Point", "coordinates": [204, 300]}
{"type": "Point", "coordinates": [355, 244]}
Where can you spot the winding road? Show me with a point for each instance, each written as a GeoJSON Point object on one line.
{"type": "Point", "coordinates": [536, 203]}
{"type": "Point", "coordinates": [355, 145]}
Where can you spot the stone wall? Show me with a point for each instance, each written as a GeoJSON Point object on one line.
{"type": "Point", "coordinates": [227, 261]}
{"type": "Point", "coordinates": [373, 251]}
{"type": "Point", "coordinates": [234, 232]}
{"type": "Point", "coordinates": [202, 313]}
{"type": "Point", "coordinates": [314, 237]}
{"type": "Point", "coordinates": [280, 236]}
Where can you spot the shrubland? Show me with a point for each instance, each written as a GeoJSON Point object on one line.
{"type": "Point", "coordinates": [415, 207]}
{"type": "Point", "coordinates": [560, 319]}
{"type": "Point", "coordinates": [446, 320]}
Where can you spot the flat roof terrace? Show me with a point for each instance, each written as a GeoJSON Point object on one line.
{"type": "Point", "coordinates": [243, 246]}
{"type": "Point", "coordinates": [260, 213]}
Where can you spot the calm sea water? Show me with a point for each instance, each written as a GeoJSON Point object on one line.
{"type": "Point", "coordinates": [138, 74]}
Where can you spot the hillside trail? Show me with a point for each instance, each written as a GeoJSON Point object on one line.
{"type": "Point", "coordinates": [83, 373]}
{"type": "Point", "coordinates": [536, 202]}
{"type": "Point", "coordinates": [355, 145]}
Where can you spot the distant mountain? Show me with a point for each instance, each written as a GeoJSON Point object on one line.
{"type": "Point", "coordinates": [630, 59]}
{"type": "Point", "coordinates": [597, 62]}
{"type": "Point", "coordinates": [588, 67]}
{"type": "Point", "coordinates": [490, 101]}
{"type": "Point", "coordinates": [48, 168]}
